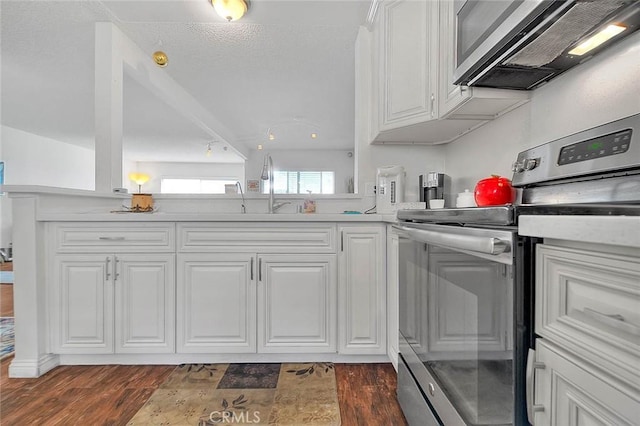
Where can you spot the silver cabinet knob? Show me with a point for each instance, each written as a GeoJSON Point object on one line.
{"type": "Point", "coordinates": [432, 389]}
{"type": "Point", "coordinates": [531, 163]}
{"type": "Point", "coordinates": [517, 167]}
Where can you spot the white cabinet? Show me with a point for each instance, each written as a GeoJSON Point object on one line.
{"type": "Point", "coordinates": [216, 303]}
{"type": "Point", "coordinates": [362, 290]}
{"type": "Point", "coordinates": [587, 314]}
{"type": "Point", "coordinates": [474, 104]}
{"type": "Point", "coordinates": [254, 288]}
{"type": "Point", "coordinates": [393, 322]}
{"type": "Point", "coordinates": [296, 303]}
{"type": "Point", "coordinates": [568, 394]}
{"type": "Point", "coordinates": [407, 63]}
{"type": "Point", "coordinates": [410, 78]}
{"type": "Point", "coordinates": [106, 303]}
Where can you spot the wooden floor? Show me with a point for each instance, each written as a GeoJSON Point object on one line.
{"type": "Point", "coordinates": [111, 395]}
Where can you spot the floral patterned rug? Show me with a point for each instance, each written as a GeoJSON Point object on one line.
{"type": "Point", "coordinates": [7, 336]}
{"type": "Point", "coordinates": [255, 394]}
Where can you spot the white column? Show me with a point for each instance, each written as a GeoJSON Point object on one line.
{"type": "Point", "coordinates": [109, 78]}
{"type": "Point", "coordinates": [31, 358]}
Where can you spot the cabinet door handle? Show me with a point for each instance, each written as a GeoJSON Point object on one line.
{"type": "Point", "coordinates": [532, 366]}
{"type": "Point", "coordinates": [613, 320]}
{"type": "Point", "coordinates": [107, 276]}
{"type": "Point", "coordinates": [433, 101]}
{"type": "Point", "coordinates": [341, 240]}
{"type": "Point", "coordinates": [111, 238]}
{"type": "Point", "coordinates": [115, 268]}
{"type": "Point", "coordinates": [251, 268]}
{"type": "Point", "coordinates": [260, 269]}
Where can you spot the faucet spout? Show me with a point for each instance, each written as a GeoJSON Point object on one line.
{"type": "Point", "coordinates": [267, 174]}
{"type": "Point", "coordinates": [243, 208]}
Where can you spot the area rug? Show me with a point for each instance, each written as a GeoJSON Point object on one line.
{"type": "Point", "coordinates": [7, 336]}
{"type": "Point", "coordinates": [256, 394]}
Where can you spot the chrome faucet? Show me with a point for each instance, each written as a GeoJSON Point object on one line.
{"type": "Point", "coordinates": [267, 174]}
{"type": "Point", "coordinates": [243, 208]}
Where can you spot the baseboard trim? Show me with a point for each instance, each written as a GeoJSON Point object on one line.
{"type": "Point", "coordinates": [29, 368]}
{"type": "Point", "coordinates": [175, 359]}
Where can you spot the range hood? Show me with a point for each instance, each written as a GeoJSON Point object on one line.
{"type": "Point", "coordinates": [533, 41]}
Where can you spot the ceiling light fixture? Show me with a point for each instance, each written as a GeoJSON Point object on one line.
{"type": "Point", "coordinates": [259, 147]}
{"type": "Point", "coordinates": [208, 153]}
{"type": "Point", "coordinates": [231, 10]}
{"type": "Point", "coordinates": [597, 39]}
{"type": "Point", "coordinates": [314, 135]}
{"type": "Point", "coordinates": [160, 58]}
{"type": "Point", "coordinates": [270, 135]}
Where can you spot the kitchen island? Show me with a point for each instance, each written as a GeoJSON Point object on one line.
{"type": "Point", "coordinates": [98, 286]}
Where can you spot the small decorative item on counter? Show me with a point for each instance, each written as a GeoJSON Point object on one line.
{"type": "Point", "coordinates": [465, 199]}
{"type": "Point", "coordinates": [494, 191]}
{"type": "Point", "coordinates": [436, 203]}
{"type": "Point", "coordinates": [141, 203]}
{"type": "Point", "coordinates": [309, 206]}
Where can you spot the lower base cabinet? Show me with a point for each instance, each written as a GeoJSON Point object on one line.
{"type": "Point", "coordinates": [567, 393]}
{"type": "Point", "coordinates": [106, 303]}
{"type": "Point", "coordinates": [362, 295]}
{"type": "Point", "coordinates": [247, 302]}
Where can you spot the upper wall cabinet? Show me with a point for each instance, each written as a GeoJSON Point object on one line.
{"type": "Point", "coordinates": [412, 96]}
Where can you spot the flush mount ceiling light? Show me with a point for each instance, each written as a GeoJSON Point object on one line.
{"type": "Point", "coordinates": [597, 39]}
{"type": "Point", "coordinates": [160, 58]}
{"type": "Point", "coordinates": [314, 135]}
{"type": "Point", "coordinates": [231, 10]}
{"type": "Point", "coordinates": [208, 152]}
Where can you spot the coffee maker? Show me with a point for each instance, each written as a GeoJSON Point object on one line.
{"type": "Point", "coordinates": [433, 186]}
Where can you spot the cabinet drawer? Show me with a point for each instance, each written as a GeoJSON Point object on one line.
{"type": "Point", "coordinates": [109, 237]}
{"type": "Point", "coordinates": [252, 237]}
{"type": "Point", "coordinates": [589, 303]}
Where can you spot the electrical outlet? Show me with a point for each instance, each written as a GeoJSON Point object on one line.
{"type": "Point", "coordinates": [369, 189]}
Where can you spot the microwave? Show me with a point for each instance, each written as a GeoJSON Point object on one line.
{"type": "Point", "coordinates": [521, 44]}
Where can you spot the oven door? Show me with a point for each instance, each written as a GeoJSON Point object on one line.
{"type": "Point", "coordinates": [457, 332]}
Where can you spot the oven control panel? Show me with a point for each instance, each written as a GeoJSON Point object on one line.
{"type": "Point", "coordinates": [609, 148]}
{"type": "Point", "coordinates": [603, 146]}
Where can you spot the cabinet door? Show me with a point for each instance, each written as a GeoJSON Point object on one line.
{"type": "Point", "coordinates": [567, 393]}
{"type": "Point", "coordinates": [145, 303]}
{"type": "Point", "coordinates": [362, 294]}
{"type": "Point", "coordinates": [393, 323]}
{"type": "Point", "coordinates": [407, 63]}
{"type": "Point", "coordinates": [296, 303]}
{"type": "Point", "coordinates": [216, 303]}
{"type": "Point", "coordinates": [81, 302]}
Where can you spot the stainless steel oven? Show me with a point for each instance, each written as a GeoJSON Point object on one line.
{"type": "Point", "coordinates": [467, 278]}
{"type": "Point", "coordinates": [463, 328]}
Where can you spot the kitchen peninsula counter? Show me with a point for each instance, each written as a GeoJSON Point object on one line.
{"type": "Point", "coordinates": [98, 285]}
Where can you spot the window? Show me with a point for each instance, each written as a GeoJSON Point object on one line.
{"type": "Point", "coordinates": [291, 182]}
{"type": "Point", "coordinates": [194, 186]}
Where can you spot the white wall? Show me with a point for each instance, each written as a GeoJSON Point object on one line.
{"type": "Point", "coordinates": [307, 160]}
{"type": "Point", "coordinates": [603, 89]}
{"type": "Point", "coordinates": [35, 160]}
{"type": "Point", "coordinates": [159, 170]}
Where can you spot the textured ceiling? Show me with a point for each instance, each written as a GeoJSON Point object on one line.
{"type": "Point", "coordinates": [287, 66]}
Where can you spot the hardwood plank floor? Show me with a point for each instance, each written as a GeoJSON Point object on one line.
{"type": "Point", "coordinates": [111, 395]}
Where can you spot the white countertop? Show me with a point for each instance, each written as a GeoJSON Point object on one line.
{"type": "Point", "coordinates": [212, 217]}
{"type": "Point", "coordinates": [614, 230]}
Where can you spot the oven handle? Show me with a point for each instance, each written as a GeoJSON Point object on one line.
{"type": "Point", "coordinates": [487, 245]}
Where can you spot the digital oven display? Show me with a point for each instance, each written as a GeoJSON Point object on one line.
{"type": "Point", "coordinates": [602, 146]}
